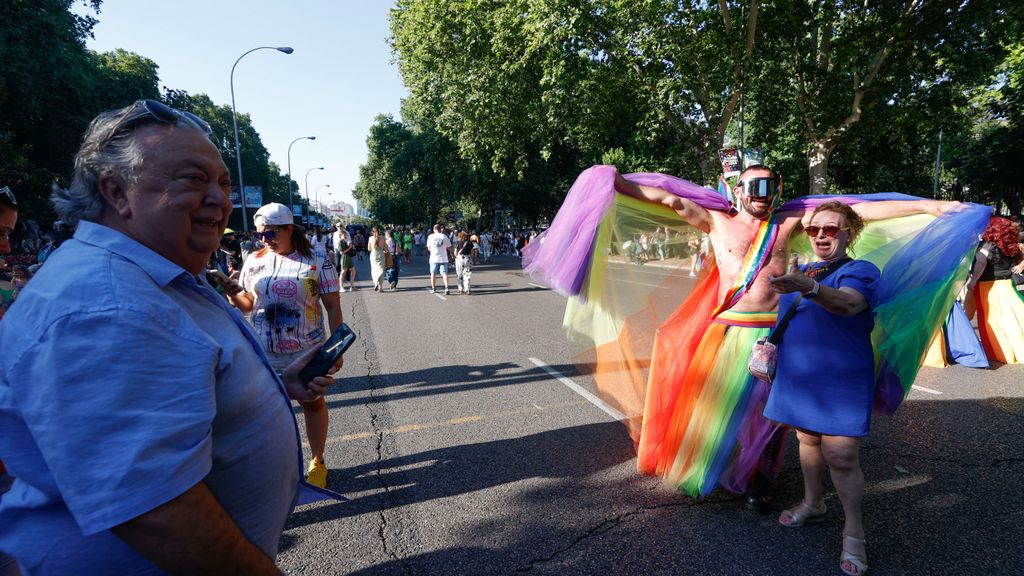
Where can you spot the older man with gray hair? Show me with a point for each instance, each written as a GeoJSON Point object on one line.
{"type": "Point", "coordinates": [139, 416]}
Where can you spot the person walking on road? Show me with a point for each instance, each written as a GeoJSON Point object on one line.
{"type": "Point", "coordinates": [465, 251]}
{"type": "Point", "coordinates": [407, 244]}
{"type": "Point", "coordinates": [378, 248]}
{"type": "Point", "coordinates": [394, 246]}
{"type": "Point", "coordinates": [485, 246]}
{"type": "Point", "coordinates": [439, 247]}
{"type": "Point", "coordinates": [346, 266]}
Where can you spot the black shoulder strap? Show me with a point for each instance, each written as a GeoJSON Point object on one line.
{"type": "Point", "coordinates": [780, 328]}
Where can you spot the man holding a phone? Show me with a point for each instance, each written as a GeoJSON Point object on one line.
{"type": "Point", "coordinates": [141, 419]}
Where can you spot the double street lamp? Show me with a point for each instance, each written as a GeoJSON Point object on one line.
{"type": "Point", "coordinates": [307, 184]}
{"type": "Point", "coordinates": [234, 122]}
{"type": "Point", "coordinates": [291, 202]}
{"type": "Point", "coordinates": [318, 203]}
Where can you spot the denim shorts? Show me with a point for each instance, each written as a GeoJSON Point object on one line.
{"type": "Point", "coordinates": [439, 268]}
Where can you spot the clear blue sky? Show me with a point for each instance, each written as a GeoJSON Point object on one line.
{"type": "Point", "coordinates": [334, 84]}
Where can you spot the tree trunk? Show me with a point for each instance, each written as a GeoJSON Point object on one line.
{"type": "Point", "coordinates": [709, 166]}
{"type": "Point", "coordinates": [817, 167]}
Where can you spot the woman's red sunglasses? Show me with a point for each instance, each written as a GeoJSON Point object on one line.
{"type": "Point", "coordinates": [829, 230]}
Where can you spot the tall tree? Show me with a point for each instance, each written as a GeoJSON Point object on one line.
{"type": "Point", "coordinates": [512, 82]}
{"type": "Point", "coordinates": [841, 61]}
{"type": "Point", "coordinates": [411, 175]}
{"type": "Point", "coordinates": [985, 162]}
{"type": "Point", "coordinates": [46, 93]}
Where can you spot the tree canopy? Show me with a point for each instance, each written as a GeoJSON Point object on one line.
{"type": "Point", "coordinates": [844, 96]}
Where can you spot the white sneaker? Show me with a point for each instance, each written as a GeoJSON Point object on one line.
{"type": "Point", "coordinates": [445, 291]}
{"type": "Point", "coordinates": [432, 291]}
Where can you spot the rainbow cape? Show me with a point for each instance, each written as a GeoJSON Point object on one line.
{"type": "Point", "coordinates": [640, 329]}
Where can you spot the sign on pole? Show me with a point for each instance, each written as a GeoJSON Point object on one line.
{"type": "Point", "coordinates": [253, 196]}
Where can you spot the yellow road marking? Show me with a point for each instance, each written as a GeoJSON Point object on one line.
{"type": "Point", "coordinates": [450, 422]}
{"type": "Point", "coordinates": [465, 419]}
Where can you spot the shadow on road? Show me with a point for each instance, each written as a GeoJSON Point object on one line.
{"type": "Point", "coordinates": [441, 380]}
{"type": "Point", "coordinates": [942, 496]}
{"type": "Point", "coordinates": [562, 453]}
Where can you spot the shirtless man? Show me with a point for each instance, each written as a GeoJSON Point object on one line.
{"type": "Point", "coordinates": [731, 235]}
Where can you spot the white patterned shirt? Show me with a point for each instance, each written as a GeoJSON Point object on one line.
{"type": "Point", "coordinates": [286, 313]}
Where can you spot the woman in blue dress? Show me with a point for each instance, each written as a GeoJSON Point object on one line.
{"type": "Point", "coordinates": [824, 384]}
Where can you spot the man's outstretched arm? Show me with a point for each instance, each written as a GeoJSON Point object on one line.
{"type": "Point", "coordinates": [192, 534]}
{"type": "Point", "coordinates": [691, 212]}
{"type": "Point", "coordinates": [897, 208]}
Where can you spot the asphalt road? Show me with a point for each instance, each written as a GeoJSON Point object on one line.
{"type": "Point", "coordinates": [462, 454]}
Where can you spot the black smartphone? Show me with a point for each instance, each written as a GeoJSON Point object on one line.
{"type": "Point", "coordinates": [218, 279]}
{"type": "Point", "coordinates": [328, 354]}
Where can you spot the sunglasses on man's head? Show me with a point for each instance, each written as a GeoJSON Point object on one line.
{"type": "Point", "coordinates": [167, 115]}
{"type": "Point", "coordinates": [830, 230]}
{"type": "Point", "coordinates": [761, 187]}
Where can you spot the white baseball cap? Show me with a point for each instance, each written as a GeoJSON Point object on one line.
{"type": "Point", "coordinates": [274, 214]}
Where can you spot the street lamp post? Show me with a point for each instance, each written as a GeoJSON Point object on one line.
{"type": "Point", "coordinates": [234, 122]}
{"type": "Point", "coordinates": [318, 196]}
{"type": "Point", "coordinates": [291, 202]}
{"type": "Point", "coordinates": [306, 189]}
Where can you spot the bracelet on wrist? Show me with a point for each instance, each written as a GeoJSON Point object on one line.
{"type": "Point", "coordinates": [813, 292]}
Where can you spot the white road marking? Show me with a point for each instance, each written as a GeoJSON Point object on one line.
{"type": "Point", "coordinates": [438, 294]}
{"type": "Point", "coordinates": [644, 284]}
{"type": "Point", "coordinates": [579, 390]}
{"type": "Point", "coordinates": [923, 389]}
{"type": "Point", "coordinates": [538, 285]}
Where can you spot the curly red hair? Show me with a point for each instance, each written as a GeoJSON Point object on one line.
{"type": "Point", "coordinates": [1005, 234]}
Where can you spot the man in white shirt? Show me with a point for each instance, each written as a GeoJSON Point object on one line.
{"type": "Point", "coordinates": [439, 246]}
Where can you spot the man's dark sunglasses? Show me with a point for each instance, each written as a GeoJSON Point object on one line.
{"type": "Point", "coordinates": [761, 187]}
{"type": "Point", "coordinates": [164, 113]}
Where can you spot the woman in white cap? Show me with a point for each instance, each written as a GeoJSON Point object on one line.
{"type": "Point", "coordinates": [283, 286]}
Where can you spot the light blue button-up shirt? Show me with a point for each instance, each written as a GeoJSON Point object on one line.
{"type": "Point", "coordinates": [123, 383]}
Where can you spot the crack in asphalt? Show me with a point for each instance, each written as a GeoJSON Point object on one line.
{"type": "Point", "coordinates": [372, 373]}
{"type": "Point", "coordinates": [612, 523]}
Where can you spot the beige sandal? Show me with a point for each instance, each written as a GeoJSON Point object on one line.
{"type": "Point", "coordinates": [857, 562]}
{"type": "Point", "coordinates": [801, 514]}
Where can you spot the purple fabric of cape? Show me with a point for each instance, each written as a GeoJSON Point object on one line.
{"type": "Point", "coordinates": [560, 257]}
{"type": "Point", "coordinates": [807, 202]}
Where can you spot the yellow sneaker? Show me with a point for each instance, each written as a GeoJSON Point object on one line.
{"type": "Point", "coordinates": [317, 474]}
